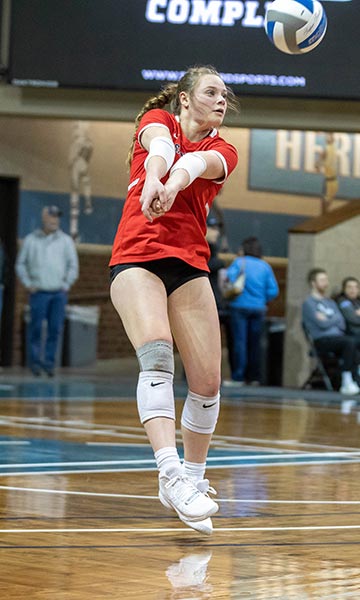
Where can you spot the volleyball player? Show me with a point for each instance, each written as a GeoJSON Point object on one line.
{"type": "Point", "coordinates": [159, 272]}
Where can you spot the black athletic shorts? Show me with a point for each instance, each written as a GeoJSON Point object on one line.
{"type": "Point", "coordinates": [173, 272]}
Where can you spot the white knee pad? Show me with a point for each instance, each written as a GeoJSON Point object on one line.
{"type": "Point", "coordinates": [157, 355]}
{"type": "Point", "coordinates": [155, 395]}
{"type": "Point", "coordinates": [200, 413]}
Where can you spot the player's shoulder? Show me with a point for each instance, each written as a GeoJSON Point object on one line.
{"type": "Point", "coordinates": [218, 140]}
{"type": "Point", "coordinates": [157, 115]}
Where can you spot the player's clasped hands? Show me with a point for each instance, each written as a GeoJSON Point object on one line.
{"type": "Point", "coordinates": [157, 199]}
{"type": "Point", "coordinates": [153, 199]}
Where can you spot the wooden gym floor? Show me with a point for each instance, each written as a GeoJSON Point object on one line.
{"type": "Point", "coordinates": [80, 518]}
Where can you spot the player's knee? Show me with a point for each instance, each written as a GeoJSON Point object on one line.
{"type": "Point", "coordinates": [209, 387]}
{"type": "Point", "coordinates": [157, 355]}
{"type": "Point", "coordinates": [200, 413]}
{"type": "Point", "coordinates": [155, 395]}
{"type": "Point", "coordinates": [204, 382]}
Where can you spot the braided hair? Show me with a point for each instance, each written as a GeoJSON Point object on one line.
{"type": "Point", "coordinates": [170, 95]}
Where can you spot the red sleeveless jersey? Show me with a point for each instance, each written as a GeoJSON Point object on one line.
{"type": "Point", "coordinates": [180, 232]}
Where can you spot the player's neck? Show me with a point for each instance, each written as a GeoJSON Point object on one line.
{"type": "Point", "coordinates": [194, 131]}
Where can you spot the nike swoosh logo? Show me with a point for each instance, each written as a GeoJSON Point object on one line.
{"type": "Point", "coordinates": [209, 405]}
{"type": "Point", "coordinates": [155, 384]}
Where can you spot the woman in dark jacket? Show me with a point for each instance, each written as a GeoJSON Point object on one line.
{"type": "Point", "coordinates": [349, 304]}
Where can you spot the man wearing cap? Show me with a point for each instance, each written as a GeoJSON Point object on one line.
{"type": "Point", "coordinates": [47, 265]}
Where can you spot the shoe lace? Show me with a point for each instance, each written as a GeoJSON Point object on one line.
{"type": "Point", "coordinates": [205, 488]}
{"type": "Point", "coordinates": [187, 492]}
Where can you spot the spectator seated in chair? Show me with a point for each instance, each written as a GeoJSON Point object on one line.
{"type": "Point", "coordinates": [326, 366]}
{"type": "Point", "coordinates": [326, 326]}
{"type": "Point", "coordinates": [349, 304]}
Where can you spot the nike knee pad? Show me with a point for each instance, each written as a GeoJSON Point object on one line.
{"type": "Point", "coordinates": [157, 355]}
{"type": "Point", "coordinates": [200, 413]}
{"type": "Point", "coordinates": [155, 395]}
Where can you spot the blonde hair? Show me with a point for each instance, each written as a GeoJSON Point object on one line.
{"type": "Point", "coordinates": [170, 95]}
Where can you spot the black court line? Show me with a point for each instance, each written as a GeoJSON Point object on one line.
{"type": "Point", "coordinates": [217, 517]}
{"type": "Point", "coordinates": [191, 543]}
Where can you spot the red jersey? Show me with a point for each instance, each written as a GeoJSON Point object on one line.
{"type": "Point", "coordinates": [180, 232]}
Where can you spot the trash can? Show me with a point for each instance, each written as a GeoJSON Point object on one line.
{"type": "Point", "coordinates": [272, 351]}
{"type": "Point", "coordinates": [26, 340]}
{"type": "Point", "coordinates": [80, 335]}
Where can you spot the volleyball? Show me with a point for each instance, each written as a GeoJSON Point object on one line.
{"type": "Point", "coordinates": [156, 206]}
{"type": "Point", "coordinates": [295, 26]}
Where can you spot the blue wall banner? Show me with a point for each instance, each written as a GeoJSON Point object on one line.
{"type": "Point", "coordinates": [294, 162]}
{"type": "Point", "coordinates": [99, 227]}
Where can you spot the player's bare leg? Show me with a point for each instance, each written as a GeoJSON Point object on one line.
{"type": "Point", "coordinates": [192, 309]}
{"type": "Point", "coordinates": [144, 317]}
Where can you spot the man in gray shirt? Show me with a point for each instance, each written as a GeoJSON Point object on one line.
{"type": "Point", "coordinates": [326, 325]}
{"type": "Point", "coordinates": [47, 265]}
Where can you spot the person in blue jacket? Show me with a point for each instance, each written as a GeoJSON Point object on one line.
{"type": "Point", "coordinates": [247, 310]}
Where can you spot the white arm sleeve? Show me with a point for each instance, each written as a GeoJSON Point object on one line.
{"type": "Point", "coordinates": [193, 163]}
{"type": "Point", "coordinates": [164, 147]}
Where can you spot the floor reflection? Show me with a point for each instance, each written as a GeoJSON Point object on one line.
{"type": "Point", "coordinates": [256, 573]}
{"type": "Point", "coordinates": [189, 577]}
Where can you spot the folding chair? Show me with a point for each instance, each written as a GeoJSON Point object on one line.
{"type": "Point", "coordinates": [318, 360]}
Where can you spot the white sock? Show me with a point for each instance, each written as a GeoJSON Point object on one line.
{"type": "Point", "coordinates": [167, 458]}
{"type": "Point", "coordinates": [194, 471]}
{"type": "Point", "coordinates": [347, 378]}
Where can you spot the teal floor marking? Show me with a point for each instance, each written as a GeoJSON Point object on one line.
{"type": "Point", "coordinates": [49, 456]}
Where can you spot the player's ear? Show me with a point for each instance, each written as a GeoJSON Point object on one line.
{"type": "Point", "coordinates": [184, 99]}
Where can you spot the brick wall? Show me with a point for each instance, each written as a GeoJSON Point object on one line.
{"type": "Point", "coordinates": [277, 306]}
{"type": "Point", "coordinates": [92, 289]}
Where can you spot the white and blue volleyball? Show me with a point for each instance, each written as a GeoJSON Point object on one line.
{"type": "Point", "coordinates": [295, 26]}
